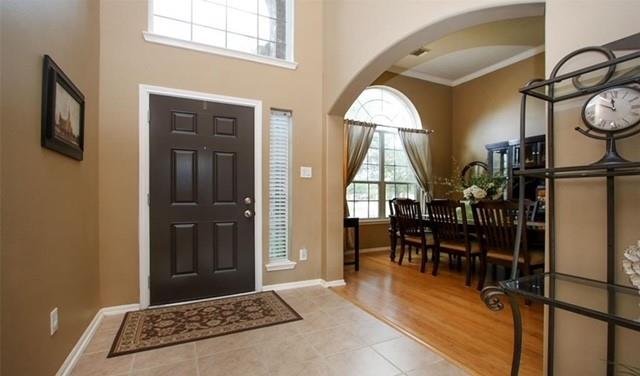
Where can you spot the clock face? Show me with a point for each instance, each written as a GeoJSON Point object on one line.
{"type": "Point", "coordinates": [613, 110]}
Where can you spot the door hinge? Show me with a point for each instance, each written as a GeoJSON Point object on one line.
{"type": "Point", "coordinates": [148, 117]}
{"type": "Point", "coordinates": [149, 281]}
{"type": "Point", "coordinates": [148, 200]}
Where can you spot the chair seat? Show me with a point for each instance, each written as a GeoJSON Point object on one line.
{"type": "Point", "coordinates": [415, 239]}
{"type": "Point", "coordinates": [536, 256]}
{"type": "Point", "coordinates": [459, 246]}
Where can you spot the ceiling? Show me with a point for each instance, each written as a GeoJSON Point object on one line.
{"type": "Point", "coordinates": [476, 51]}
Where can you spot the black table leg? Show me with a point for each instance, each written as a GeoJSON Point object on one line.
{"type": "Point", "coordinates": [356, 233]}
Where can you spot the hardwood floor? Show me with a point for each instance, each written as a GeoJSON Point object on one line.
{"type": "Point", "coordinates": [445, 314]}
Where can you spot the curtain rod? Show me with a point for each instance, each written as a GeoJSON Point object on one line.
{"type": "Point", "coordinates": [357, 122]}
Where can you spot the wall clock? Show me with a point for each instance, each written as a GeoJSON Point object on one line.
{"type": "Point", "coordinates": [610, 115]}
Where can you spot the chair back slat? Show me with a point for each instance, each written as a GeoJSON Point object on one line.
{"type": "Point", "coordinates": [449, 219]}
{"type": "Point", "coordinates": [497, 225]}
{"type": "Point", "coordinates": [408, 216]}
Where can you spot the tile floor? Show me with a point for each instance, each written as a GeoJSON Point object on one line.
{"type": "Point", "coordinates": [335, 338]}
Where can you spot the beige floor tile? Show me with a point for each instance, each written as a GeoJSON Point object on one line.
{"type": "Point", "coordinates": [363, 361]}
{"type": "Point", "coordinates": [229, 342]}
{"type": "Point", "coordinates": [314, 321]}
{"type": "Point", "coordinates": [304, 305]}
{"type": "Point", "coordinates": [313, 291]}
{"type": "Point", "coordinates": [407, 354]}
{"type": "Point", "coordinates": [112, 322]}
{"type": "Point", "coordinates": [317, 367]}
{"type": "Point", "coordinates": [97, 364]}
{"type": "Point", "coordinates": [241, 362]}
{"type": "Point", "coordinates": [296, 349]}
{"type": "Point", "coordinates": [164, 355]}
{"type": "Point", "coordinates": [374, 332]}
{"type": "Point", "coordinates": [442, 368]}
{"type": "Point", "coordinates": [350, 315]}
{"type": "Point", "coordinates": [185, 368]}
{"type": "Point", "coordinates": [290, 293]}
{"type": "Point", "coordinates": [334, 340]}
{"type": "Point", "coordinates": [101, 341]}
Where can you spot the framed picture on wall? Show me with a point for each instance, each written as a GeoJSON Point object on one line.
{"type": "Point", "coordinates": [62, 112]}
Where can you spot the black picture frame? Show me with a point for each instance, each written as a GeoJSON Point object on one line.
{"type": "Point", "coordinates": [62, 112]}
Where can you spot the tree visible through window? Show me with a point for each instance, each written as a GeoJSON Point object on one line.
{"type": "Point", "coordinates": [385, 173]}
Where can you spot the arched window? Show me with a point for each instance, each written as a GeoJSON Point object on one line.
{"type": "Point", "coordinates": [385, 173]}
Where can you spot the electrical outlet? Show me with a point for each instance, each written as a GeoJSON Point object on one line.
{"type": "Point", "coordinates": [304, 254]}
{"type": "Point", "coordinates": [306, 172]}
{"type": "Point", "coordinates": [54, 321]}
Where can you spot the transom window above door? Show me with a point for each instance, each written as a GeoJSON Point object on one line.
{"type": "Point", "coordinates": [386, 172]}
{"type": "Point", "coordinates": [254, 27]}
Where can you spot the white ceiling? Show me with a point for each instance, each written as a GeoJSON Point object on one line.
{"type": "Point", "coordinates": [473, 52]}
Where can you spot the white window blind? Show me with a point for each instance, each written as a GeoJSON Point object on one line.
{"type": "Point", "coordinates": [279, 192]}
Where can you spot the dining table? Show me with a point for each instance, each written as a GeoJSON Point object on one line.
{"type": "Point", "coordinates": [535, 228]}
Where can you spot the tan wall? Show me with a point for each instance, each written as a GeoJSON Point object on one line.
{"type": "Point", "coordinates": [49, 201]}
{"type": "Point", "coordinates": [487, 110]}
{"type": "Point", "coordinates": [434, 105]}
{"type": "Point", "coordinates": [127, 61]}
{"type": "Point", "coordinates": [581, 205]}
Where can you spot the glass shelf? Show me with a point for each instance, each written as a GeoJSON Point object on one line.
{"type": "Point", "coordinates": [592, 79]}
{"type": "Point", "coordinates": [589, 171]}
{"type": "Point", "coordinates": [599, 300]}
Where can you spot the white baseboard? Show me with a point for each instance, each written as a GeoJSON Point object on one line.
{"type": "Point", "coordinates": [335, 283]}
{"type": "Point", "coordinates": [306, 283]}
{"type": "Point", "coordinates": [292, 285]}
{"type": "Point", "coordinates": [73, 357]}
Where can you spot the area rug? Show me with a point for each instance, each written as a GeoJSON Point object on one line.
{"type": "Point", "coordinates": [165, 326]}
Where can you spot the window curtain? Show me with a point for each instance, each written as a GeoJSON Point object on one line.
{"type": "Point", "coordinates": [416, 144]}
{"type": "Point", "coordinates": [358, 139]}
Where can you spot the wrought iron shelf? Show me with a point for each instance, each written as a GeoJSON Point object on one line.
{"type": "Point", "coordinates": [588, 171]}
{"type": "Point", "coordinates": [583, 296]}
{"type": "Point", "coordinates": [623, 70]}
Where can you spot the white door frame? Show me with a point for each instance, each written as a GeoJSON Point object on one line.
{"type": "Point", "coordinates": [143, 182]}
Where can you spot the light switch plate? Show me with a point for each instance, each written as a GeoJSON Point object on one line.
{"type": "Point", "coordinates": [304, 254]}
{"type": "Point", "coordinates": [53, 321]}
{"type": "Point", "coordinates": [306, 172]}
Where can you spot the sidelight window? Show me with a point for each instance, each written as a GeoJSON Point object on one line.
{"type": "Point", "coordinates": [252, 27]}
{"type": "Point", "coordinates": [279, 190]}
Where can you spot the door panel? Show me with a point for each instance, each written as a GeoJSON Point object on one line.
{"type": "Point", "coordinates": [201, 169]}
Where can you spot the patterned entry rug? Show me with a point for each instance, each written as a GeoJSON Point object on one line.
{"type": "Point", "coordinates": [159, 327]}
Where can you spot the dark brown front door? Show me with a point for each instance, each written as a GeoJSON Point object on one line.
{"type": "Point", "coordinates": [201, 199]}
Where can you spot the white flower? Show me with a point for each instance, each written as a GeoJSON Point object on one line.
{"type": "Point", "coordinates": [478, 193]}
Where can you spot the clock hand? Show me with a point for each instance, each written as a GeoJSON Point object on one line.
{"type": "Point", "coordinates": [613, 104]}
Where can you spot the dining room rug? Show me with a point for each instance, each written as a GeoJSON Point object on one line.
{"type": "Point", "coordinates": [165, 326]}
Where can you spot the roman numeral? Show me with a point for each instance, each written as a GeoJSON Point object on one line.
{"type": "Point", "coordinates": [634, 98]}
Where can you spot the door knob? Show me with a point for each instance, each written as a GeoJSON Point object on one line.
{"type": "Point", "coordinates": [247, 200]}
{"type": "Point", "coordinates": [248, 214]}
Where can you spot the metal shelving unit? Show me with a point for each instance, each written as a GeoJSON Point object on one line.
{"type": "Point", "coordinates": [601, 300]}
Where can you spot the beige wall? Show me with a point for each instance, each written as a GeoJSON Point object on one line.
{"type": "Point", "coordinates": [487, 110]}
{"type": "Point", "coordinates": [49, 202]}
{"type": "Point", "coordinates": [581, 205]}
{"type": "Point", "coordinates": [434, 105]}
{"type": "Point", "coordinates": [127, 61]}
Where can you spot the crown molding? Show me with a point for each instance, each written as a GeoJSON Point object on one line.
{"type": "Point", "coordinates": [472, 76]}
{"type": "Point", "coordinates": [421, 76]}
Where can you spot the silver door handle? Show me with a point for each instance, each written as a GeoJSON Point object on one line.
{"type": "Point", "coordinates": [247, 201]}
{"type": "Point", "coordinates": [248, 214]}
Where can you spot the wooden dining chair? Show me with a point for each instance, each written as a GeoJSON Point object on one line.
{"type": "Point", "coordinates": [497, 224]}
{"type": "Point", "coordinates": [448, 221]}
{"type": "Point", "coordinates": [412, 232]}
{"type": "Point", "coordinates": [393, 230]}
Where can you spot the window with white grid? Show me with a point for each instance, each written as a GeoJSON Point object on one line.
{"type": "Point", "coordinates": [257, 27]}
{"type": "Point", "coordinates": [385, 173]}
{"type": "Point", "coordinates": [279, 188]}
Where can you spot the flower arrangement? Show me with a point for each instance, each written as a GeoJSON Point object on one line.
{"type": "Point", "coordinates": [476, 188]}
{"type": "Point", "coordinates": [483, 186]}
